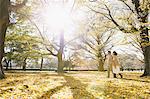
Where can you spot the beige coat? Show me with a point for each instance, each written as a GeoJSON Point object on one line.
{"type": "Point", "coordinates": [115, 61]}
{"type": "Point", "coordinates": [108, 61]}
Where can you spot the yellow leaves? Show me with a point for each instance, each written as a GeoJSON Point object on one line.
{"type": "Point", "coordinates": [61, 94]}
{"type": "Point", "coordinates": [74, 85]}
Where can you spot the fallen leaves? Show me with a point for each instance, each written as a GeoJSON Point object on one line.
{"type": "Point", "coordinates": [76, 85]}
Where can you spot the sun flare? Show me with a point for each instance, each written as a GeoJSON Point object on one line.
{"type": "Point", "coordinates": [59, 16]}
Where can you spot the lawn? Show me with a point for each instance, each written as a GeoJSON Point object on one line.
{"type": "Point", "coordinates": [73, 85]}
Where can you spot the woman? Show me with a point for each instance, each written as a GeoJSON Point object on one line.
{"type": "Point", "coordinates": [115, 65]}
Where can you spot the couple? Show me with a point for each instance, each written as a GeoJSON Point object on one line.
{"type": "Point", "coordinates": [112, 64]}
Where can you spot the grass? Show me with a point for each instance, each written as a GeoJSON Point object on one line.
{"type": "Point", "coordinates": [73, 85]}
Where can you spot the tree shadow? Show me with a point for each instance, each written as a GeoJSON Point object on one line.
{"type": "Point", "coordinates": [28, 72]}
{"type": "Point", "coordinates": [77, 88]}
{"type": "Point", "coordinates": [50, 92]}
{"type": "Point", "coordinates": [13, 83]}
{"type": "Point", "coordinates": [9, 86]}
{"type": "Point", "coordinates": [135, 80]}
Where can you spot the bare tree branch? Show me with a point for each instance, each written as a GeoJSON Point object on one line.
{"type": "Point", "coordinates": [15, 7]}
{"type": "Point", "coordinates": [99, 12]}
{"type": "Point", "coordinates": [127, 6]}
{"type": "Point", "coordinates": [51, 52]}
{"type": "Point", "coordinates": [41, 35]}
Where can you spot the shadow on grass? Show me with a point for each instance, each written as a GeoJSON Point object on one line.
{"type": "Point", "coordinates": [13, 83]}
{"type": "Point", "coordinates": [30, 73]}
{"type": "Point", "coordinates": [113, 91]}
{"type": "Point", "coordinates": [77, 88]}
{"type": "Point", "coordinates": [50, 92]}
{"type": "Point", "coordinates": [9, 86]}
{"type": "Point", "coordinates": [135, 80]}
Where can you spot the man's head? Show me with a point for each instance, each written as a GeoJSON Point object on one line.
{"type": "Point", "coordinates": [109, 52]}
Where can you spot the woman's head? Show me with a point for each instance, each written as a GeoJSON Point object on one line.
{"type": "Point", "coordinates": [115, 53]}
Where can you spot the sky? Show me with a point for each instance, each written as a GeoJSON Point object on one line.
{"type": "Point", "coordinates": [57, 17]}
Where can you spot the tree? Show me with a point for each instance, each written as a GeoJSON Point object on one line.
{"type": "Point", "coordinates": [135, 20]}
{"type": "Point", "coordinates": [4, 21]}
{"type": "Point", "coordinates": [6, 8]}
{"type": "Point", "coordinates": [21, 45]}
{"type": "Point", "coordinates": [55, 46]}
{"type": "Point", "coordinates": [95, 45]}
{"type": "Point", "coordinates": [97, 39]}
{"type": "Point", "coordinates": [133, 40]}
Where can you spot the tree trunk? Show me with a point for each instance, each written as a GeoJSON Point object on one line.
{"type": "Point", "coordinates": [60, 53]}
{"type": "Point", "coordinates": [24, 64]}
{"type": "Point", "coordinates": [143, 15]}
{"type": "Point", "coordinates": [60, 62]}
{"type": "Point", "coordinates": [146, 50]}
{"type": "Point", "coordinates": [4, 20]}
{"type": "Point", "coordinates": [100, 65]}
{"type": "Point", "coordinates": [41, 64]}
{"type": "Point", "coordinates": [1, 73]}
{"type": "Point", "coordinates": [7, 64]}
{"type": "Point", "coordinates": [100, 61]}
{"type": "Point", "coordinates": [147, 61]}
{"type": "Point", "coordinates": [10, 64]}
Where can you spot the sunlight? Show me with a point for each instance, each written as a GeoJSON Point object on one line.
{"type": "Point", "coordinates": [57, 18]}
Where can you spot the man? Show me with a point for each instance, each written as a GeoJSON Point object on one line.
{"type": "Point", "coordinates": [108, 62]}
